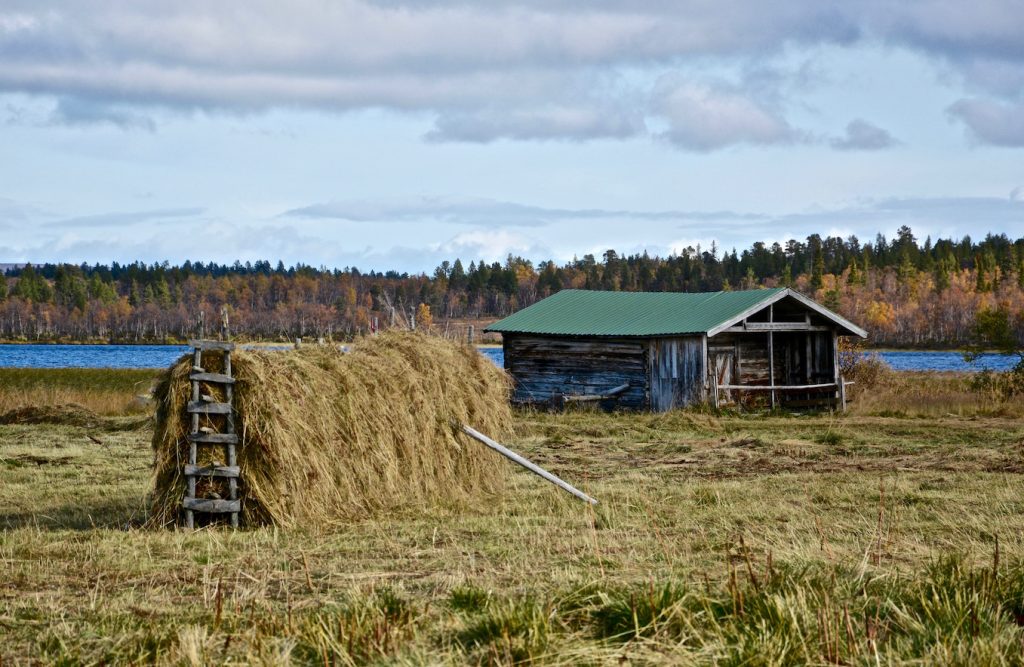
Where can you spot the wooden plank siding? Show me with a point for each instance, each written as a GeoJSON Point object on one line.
{"type": "Point", "coordinates": [545, 366]}
{"type": "Point", "coordinates": [676, 372]}
{"type": "Point", "coordinates": [749, 357]}
{"type": "Point", "coordinates": [800, 358]}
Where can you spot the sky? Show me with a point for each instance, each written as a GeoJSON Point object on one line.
{"type": "Point", "coordinates": [394, 134]}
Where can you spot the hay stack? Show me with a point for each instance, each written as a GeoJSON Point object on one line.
{"type": "Point", "coordinates": [326, 435]}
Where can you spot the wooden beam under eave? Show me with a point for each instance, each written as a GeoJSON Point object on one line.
{"type": "Point", "coordinates": [760, 327]}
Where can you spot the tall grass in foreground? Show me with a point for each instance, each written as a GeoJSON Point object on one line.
{"type": "Point", "coordinates": [106, 391]}
{"type": "Point", "coordinates": [761, 614]}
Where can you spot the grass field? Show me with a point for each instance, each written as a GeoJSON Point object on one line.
{"type": "Point", "coordinates": [101, 390]}
{"type": "Point", "coordinates": [892, 534]}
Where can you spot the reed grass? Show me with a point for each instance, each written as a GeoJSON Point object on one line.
{"type": "Point", "coordinates": [104, 391]}
{"type": "Point", "coordinates": [930, 394]}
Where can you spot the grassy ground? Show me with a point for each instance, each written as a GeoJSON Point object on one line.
{"type": "Point", "coordinates": [876, 537]}
{"type": "Point", "coordinates": [101, 390]}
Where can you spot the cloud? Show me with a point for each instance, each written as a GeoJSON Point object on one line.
{"type": "Point", "coordinates": [705, 117]}
{"type": "Point", "coordinates": [124, 219]}
{"type": "Point", "coordinates": [488, 243]}
{"type": "Point", "coordinates": [17, 215]}
{"type": "Point", "coordinates": [484, 212]}
{"type": "Point", "coordinates": [222, 242]}
{"type": "Point", "coordinates": [78, 111]}
{"type": "Point", "coordinates": [947, 216]}
{"type": "Point", "coordinates": [509, 69]}
{"type": "Point", "coordinates": [863, 136]}
{"type": "Point", "coordinates": [405, 235]}
{"type": "Point", "coordinates": [460, 211]}
{"type": "Point", "coordinates": [991, 122]}
{"type": "Point", "coordinates": [573, 123]}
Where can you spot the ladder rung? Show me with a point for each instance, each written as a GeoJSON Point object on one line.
{"type": "Point", "coordinates": [211, 377]}
{"type": "Point", "coordinates": [222, 345]}
{"type": "Point", "coordinates": [214, 438]}
{"type": "Point", "coordinates": [209, 408]}
{"type": "Point", "coordinates": [210, 505]}
{"type": "Point", "coordinates": [211, 471]}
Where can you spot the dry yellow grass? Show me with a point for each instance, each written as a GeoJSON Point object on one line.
{"type": "Point", "coordinates": [102, 390]}
{"type": "Point", "coordinates": [829, 513]}
{"type": "Point", "coordinates": [326, 435]}
{"type": "Point", "coordinates": [931, 394]}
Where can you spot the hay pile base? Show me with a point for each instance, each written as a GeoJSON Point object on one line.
{"type": "Point", "coordinates": [326, 435]}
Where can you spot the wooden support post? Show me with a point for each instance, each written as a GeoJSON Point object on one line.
{"type": "Point", "coordinates": [808, 359]}
{"type": "Point", "coordinates": [225, 328]}
{"type": "Point", "coordinates": [842, 393]}
{"type": "Point", "coordinates": [197, 358]}
{"type": "Point", "coordinates": [835, 367]}
{"type": "Point", "coordinates": [469, 334]}
{"type": "Point", "coordinates": [771, 354]}
{"type": "Point", "coordinates": [229, 389]}
{"type": "Point", "coordinates": [707, 365]}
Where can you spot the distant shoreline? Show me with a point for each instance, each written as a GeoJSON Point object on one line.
{"type": "Point", "coordinates": [312, 341]}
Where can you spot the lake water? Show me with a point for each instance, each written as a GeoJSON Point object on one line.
{"type": "Point", "coordinates": [161, 356]}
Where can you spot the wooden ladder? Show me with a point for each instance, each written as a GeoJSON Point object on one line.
{"type": "Point", "coordinates": [206, 405]}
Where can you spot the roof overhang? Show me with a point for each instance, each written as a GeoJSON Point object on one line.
{"type": "Point", "coordinates": [850, 328]}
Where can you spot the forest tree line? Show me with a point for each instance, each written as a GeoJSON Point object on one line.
{"type": "Point", "coordinates": [904, 292]}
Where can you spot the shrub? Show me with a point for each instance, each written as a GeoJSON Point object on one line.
{"type": "Point", "coordinates": [857, 365]}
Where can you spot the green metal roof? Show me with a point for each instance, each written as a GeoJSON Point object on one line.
{"type": "Point", "coordinates": [590, 313]}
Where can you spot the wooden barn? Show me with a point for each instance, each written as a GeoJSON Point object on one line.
{"type": "Point", "coordinates": [662, 350]}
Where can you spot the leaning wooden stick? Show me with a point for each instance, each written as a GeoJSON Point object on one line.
{"type": "Point", "coordinates": [532, 467]}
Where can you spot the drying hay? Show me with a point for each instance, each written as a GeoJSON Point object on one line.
{"type": "Point", "coordinates": [326, 435]}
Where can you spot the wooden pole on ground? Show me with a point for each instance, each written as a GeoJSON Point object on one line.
{"type": "Point", "coordinates": [611, 393]}
{"type": "Point", "coordinates": [532, 467]}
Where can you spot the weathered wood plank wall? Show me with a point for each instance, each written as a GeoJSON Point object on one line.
{"type": "Point", "coordinates": [748, 353]}
{"type": "Point", "coordinates": [676, 372]}
{"type": "Point", "coordinates": [800, 358]}
{"type": "Point", "coordinates": [545, 366]}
